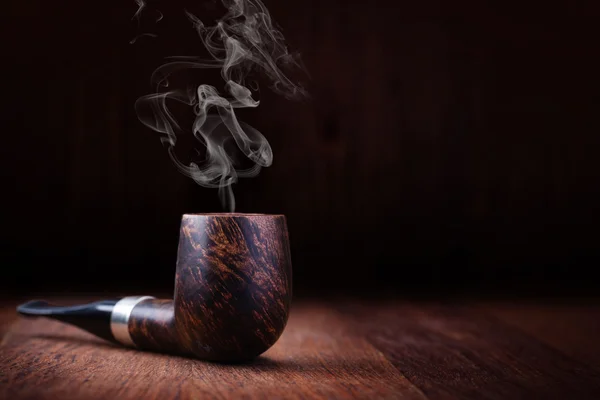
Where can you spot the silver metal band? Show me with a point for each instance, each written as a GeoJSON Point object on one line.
{"type": "Point", "coordinates": [119, 318]}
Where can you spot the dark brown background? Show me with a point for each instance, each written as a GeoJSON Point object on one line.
{"type": "Point", "coordinates": [446, 145]}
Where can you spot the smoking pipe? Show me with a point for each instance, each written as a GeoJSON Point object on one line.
{"type": "Point", "coordinates": [233, 289]}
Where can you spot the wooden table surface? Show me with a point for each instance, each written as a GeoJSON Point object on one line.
{"type": "Point", "coordinates": [340, 349]}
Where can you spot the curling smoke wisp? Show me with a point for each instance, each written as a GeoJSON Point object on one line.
{"type": "Point", "coordinates": [243, 40]}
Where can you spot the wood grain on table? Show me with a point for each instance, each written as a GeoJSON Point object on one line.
{"type": "Point", "coordinates": [341, 349]}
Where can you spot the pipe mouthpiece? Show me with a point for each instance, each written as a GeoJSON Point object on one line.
{"type": "Point", "coordinates": [34, 308]}
{"type": "Point", "coordinates": [93, 317]}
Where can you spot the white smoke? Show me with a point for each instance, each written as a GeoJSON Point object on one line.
{"type": "Point", "coordinates": [243, 40]}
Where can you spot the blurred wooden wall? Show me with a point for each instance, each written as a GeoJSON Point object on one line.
{"type": "Point", "coordinates": [442, 141]}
